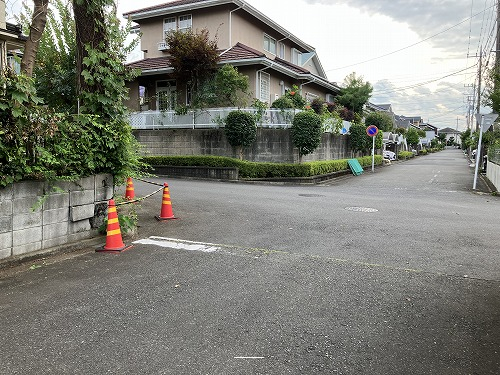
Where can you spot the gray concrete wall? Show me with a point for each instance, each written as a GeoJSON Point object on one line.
{"type": "Point", "coordinates": [38, 215]}
{"type": "Point", "coordinates": [493, 174]}
{"type": "Point", "coordinates": [271, 145]}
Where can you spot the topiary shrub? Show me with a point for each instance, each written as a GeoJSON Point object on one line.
{"type": "Point", "coordinates": [306, 132]}
{"type": "Point", "coordinates": [240, 130]}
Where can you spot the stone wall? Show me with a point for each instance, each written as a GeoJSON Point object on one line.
{"type": "Point", "coordinates": [271, 145]}
{"type": "Point", "coordinates": [40, 215]}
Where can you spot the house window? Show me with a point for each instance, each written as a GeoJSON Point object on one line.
{"type": "Point", "coordinates": [269, 44]}
{"type": "Point", "coordinates": [296, 57]}
{"type": "Point", "coordinates": [169, 24]}
{"type": "Point", "coordinates": [330, 98]}
{"type": "Point", "coordinates": [281, 51]}
{"type": "Point", "coordinates": [264, 86]}
{"type": "Point", "coordinates": [185, 23]}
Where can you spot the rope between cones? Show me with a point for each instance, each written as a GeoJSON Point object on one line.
{"type": "Point", "coordinates": [140, 199]}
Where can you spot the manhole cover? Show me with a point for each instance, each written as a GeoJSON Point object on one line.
{"type": "Point", "coordinates": [311, 195]}
{"type": "Point", "coordinates": [361, 209]}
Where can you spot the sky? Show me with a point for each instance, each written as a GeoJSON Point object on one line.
{"type": "Point", "coordinates": [420, 56]}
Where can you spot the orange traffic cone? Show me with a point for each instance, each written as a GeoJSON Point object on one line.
{"type": "Point", "coordinates": [129, 190]}
{"type": "Point", "coordinates": [166, 206]}
{"type": "Point", "coordinates": [114, 240]}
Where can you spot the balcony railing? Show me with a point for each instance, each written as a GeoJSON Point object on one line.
{"type": "Point", "coordinates": [207, 118]}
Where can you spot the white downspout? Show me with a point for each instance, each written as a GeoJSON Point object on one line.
{"type": "Point", "coordinates": [231, 29]}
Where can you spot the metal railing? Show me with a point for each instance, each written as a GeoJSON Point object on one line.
{"type": "Point", "coordinates": [494, 154]}
{"type": "Point", "coordinates": [207, 118]}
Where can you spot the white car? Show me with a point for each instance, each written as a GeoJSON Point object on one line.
{"type": "Point", "coordinates": [389, 155]}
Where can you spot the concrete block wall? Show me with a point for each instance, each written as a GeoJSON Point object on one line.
{"type": "Point", "coordinates": [39, 215]}
{"type": "Point", "coordinates": [271, 145]}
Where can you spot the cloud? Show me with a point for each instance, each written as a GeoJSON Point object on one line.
{"type": "Point", "coordinates": [447, 23]}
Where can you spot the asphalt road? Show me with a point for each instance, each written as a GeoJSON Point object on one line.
{"type": "Point", "coordinates": [392, 272]}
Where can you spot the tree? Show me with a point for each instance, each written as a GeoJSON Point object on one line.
{"type": "Point", "coordinates": [360, 141]}
{"type": "Point", "coordinates": [54, 72]}
{"type": "Point", "coordinates": [194, 57]}
{"type": "Point", "coordinates": [306, 132]}
{"type": "Point", "coordinates": [39, 19]}
{"type": "Point", "coordinates": [240, 130]}
{"type": "Point", "coordinates": [412, 137]}
{"type": "Point", "coordinates": [355, 93]}
{"type": "Point", "coordinates": [381, 120]}
{"type": "Point", "coordinates": [227, 88]}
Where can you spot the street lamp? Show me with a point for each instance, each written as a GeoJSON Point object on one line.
{"type": "Point", "coordinates": [486, 121]}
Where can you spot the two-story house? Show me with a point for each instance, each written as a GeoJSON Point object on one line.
{"type": "Point", "coordinates": [11, 40]}
{"type": "Point", "coordinates": [273, 58]}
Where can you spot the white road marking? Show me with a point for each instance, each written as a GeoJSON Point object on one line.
{"type": "Point", "coordinates": [174, 243]}
{"type": "Point", "coordinates": [248, 357]}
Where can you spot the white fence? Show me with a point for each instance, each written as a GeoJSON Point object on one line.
{"type": "Point", "coordinates": [208, 118]}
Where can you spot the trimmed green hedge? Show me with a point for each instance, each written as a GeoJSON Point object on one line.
{"type": "Point", "coordinates": [249, 169]}
{"type": "Point", "coordinates": [405, 155]}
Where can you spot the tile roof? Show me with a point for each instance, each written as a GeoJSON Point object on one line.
{"type": "Point", "coordinates": [151, 63]}
{"type": "Point", "coordinates": [240, 52]}
{"type": "Point", "coordinates": [293, 67]}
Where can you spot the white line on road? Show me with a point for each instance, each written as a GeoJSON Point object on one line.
{"type": "Point", "coordinates": [249, 357]}
{"type": "Point", "coordinates": [174, 243]}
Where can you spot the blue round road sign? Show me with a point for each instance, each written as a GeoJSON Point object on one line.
{"type": "Point", "coordinates": [372, 130]}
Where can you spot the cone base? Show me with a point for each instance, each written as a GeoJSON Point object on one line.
{"type": "Point", "coordinates": [159, 218]}
{"type": "Point", "coordinates": [112, 250]}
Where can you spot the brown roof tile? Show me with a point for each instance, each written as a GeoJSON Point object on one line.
{"type": "Point", "coordinates": [152, 63]}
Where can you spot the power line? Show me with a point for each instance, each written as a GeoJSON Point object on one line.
{"type": "Point", "coordinates": [411, 45]}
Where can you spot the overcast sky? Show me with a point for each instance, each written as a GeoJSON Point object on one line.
{"type": "Point", "coordinates": [419, 55]}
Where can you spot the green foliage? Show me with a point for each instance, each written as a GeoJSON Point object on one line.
{"type": "Point", "coordinates": [381, 120]}
{"type": "Point", "coordinates": [412, 137]}
{"type": "Point", "coordinates": [401, 131]}
{"type": "Point", "coordinates": [37, 143]}
{"type": "Point", "coordinates": [260, 108]}
{"type": "Point", "coordinates": [306, 132]}
{"type": "Point", "coordinates": [360, 141]}
{"type": "Point", "coordinates": [240, 129]}
{"type": "Point", "coordinates": [423, 152]}
{"type": "Point", "coordinates": [251, 170]}
{"type": "Point", "coordinates": [291, 99]}
{"type": "Point", "coordinates": [318, 105]}
{"type": "Point", "coordinates": [227, 88]}
{"type": "Point", "coordinates": [355, 93]}
{"type": "Point", "coordinates": [331, 122]}
{"type": "Point", "coordinates": [194, 56]}
{"type": "Point", "coordinates": [405, 155]}
{"type": "Point", "coordinates": [283, 102]}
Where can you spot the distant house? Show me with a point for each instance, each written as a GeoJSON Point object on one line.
{"type": "Point", "coordinates": [451, 133]}
{"type": "Point", "coordinates": [273, 58]}
{"type": "Point", "coordinates": [11, 40]}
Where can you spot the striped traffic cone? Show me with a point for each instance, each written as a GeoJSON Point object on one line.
{"type": "Point", "coordinates": [166, 205]}
{"type": "Point", "coordinates": [114, 242]}
{"type": "Point", "coordinates": [129, 190]}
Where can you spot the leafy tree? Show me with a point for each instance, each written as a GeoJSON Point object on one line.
{"type": "Point", "coordinates": [55, 71]}
{"type": "Point", "coordinates": [355, 93]}
{"type": "Point", "coordinates": [360, 141]}
{"type": "Point", "coordinates": [194, 56]}
{"type": "Point", "coordinates": [240, 130]}
{"type": "Point", "coordinates": [319, 106]}
{"type": "Point", "coordinates": [381, 120]}
{"type": "Point", "coordinates": [401, 131]}
{"type": "Point", "coordinates": [412, 137]}
{"type": "Point", "coordinates": [442, 137]}
{"type": "Point", "coordinates": [306, 132]}
{"type": "Point", "coordinates": [227, 88]}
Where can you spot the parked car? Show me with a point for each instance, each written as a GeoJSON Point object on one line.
{"type": "Point", "coordinates": [389, 155]}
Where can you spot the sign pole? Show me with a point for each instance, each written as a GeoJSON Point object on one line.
{"type": "Point", "coordinates": [373, 155]}
{"type": "Point", "coordinates": [372, 131]}
{"type": "Point", "coordinates": [478, 153]}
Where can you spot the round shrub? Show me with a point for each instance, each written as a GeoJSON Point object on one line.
{"type": "Point", "coordinates": [240, 129]}
{"type": "Point", "coordinates": [306, 132]}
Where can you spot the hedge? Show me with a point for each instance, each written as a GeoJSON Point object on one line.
{"type": "Point", "coordinates": [249, 169]}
